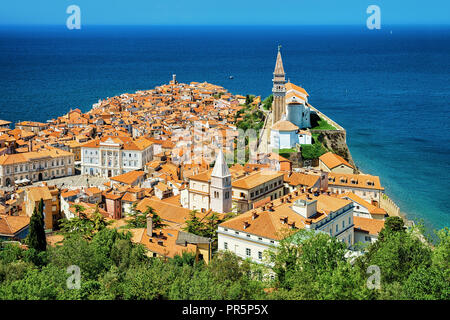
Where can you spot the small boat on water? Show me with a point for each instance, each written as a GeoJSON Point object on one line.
{"type": "Point", "coordinates": [231, 77]}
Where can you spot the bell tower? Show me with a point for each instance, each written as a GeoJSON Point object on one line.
{"type": "Point", "coordinates": [278, 89]}
{"type": "Point", "coordinates": [220, 187]}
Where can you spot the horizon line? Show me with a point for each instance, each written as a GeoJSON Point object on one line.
{"type": "Point", "coordinates": [221, 25]}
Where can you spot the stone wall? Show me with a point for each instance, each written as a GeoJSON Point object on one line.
{"type": "Point", "coordinates": [389, 205]}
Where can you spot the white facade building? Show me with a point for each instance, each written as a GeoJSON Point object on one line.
{"type": "Point", "coordinates": [112, 156]}
{"type": "Point", "coordinates": [250, 234]}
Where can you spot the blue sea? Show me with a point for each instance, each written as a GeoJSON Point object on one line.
{"type": "Point", "coordinates": [389, 88]}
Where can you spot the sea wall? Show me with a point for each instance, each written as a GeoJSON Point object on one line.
{"type": "Point", "coordinates": [389, 205]}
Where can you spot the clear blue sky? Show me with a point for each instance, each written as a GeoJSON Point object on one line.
{"type": "Point", "coordinates": [225, 12]}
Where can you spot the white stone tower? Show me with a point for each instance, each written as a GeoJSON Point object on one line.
{"type": "Point", "coordinates": [220, 188]}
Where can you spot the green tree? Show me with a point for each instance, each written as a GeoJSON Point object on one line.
{"type": "Point", "coordinates": [397, 255]}
{"type": "Point", "coordinates": [391, 225]}
{"type": "Point", "coordinates": [267, 103]}
{"type": "Point", "coordinates": [98, 220]}
{"type": "Point", "coordinates": [194, 225]}
{"type": "Point", "coordinates": [156, 219]}
{"type": "Point", "coordinates": [82, 225]}
{"type": "Point", "coordinates": [36, 237]}
{"type": "Point", "coordinates": [138, 219]}
{"type": "Point", "coordinates": [427, 284]}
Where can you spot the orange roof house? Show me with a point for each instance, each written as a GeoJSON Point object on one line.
{"type": "Point", "coordinates": [14, 227]}
{"type": "Point", "coordinates": [131, 178]}
{"type": "Point", "coordinates": [331, 162]}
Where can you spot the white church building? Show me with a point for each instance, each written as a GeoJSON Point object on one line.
{"type": "Point", "coordinates": [290, 112]}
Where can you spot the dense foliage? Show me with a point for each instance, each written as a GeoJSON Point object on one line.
{"type": "Point", "coordinates": [267, 103]}
{"type": "Point", "coordinates": [314, 150]}
{"type": "Point", "coordinates": [306, 266]}
{"type": "Point", "coordinates": [253, 118]}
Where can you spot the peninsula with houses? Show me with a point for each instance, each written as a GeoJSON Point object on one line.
{"type": "Point", "coordinates": [161, 164]}
{"type": "Point", "coordinates": [149, 148]}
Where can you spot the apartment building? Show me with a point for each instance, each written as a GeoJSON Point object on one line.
{"type": "Point", "coordinates": [366, 186]}
{"type": "Point", "coordinates": [51, 197]}
{"type": "Point", "coordinates": [42, 164]}
{"type": "Point", "coordinates": [255, 231]}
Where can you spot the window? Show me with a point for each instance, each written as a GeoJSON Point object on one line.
{"type": "Point", "coordinates": [259, 255]}
{"type": "Point", "coordinates": [349, 220]}
{"type": "Point", "coordinates": [248, 236]}
{"type": "Point", "coordinates": [367, 238]}
{"type": "Point", "coordinates": [343, 224]}
{"type": "Point", "coordinates": [260, 239]}
{"type": "Point", "coordinates": [337, 228]}
{"type": "Point", "coordinates": [248, 252]}
{"type": "Point", "coordinates": [225, 245]}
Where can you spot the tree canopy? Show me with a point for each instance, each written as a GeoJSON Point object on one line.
{"type": "Point", "coordinates": [306, 265]}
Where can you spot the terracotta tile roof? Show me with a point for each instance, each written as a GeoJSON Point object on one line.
{"type": "Point", "coordinates": [359, 180]}
{"type": "Point", "coordinates": [129, 177]}
{"type": "Point", "coordinates": [290, 86]}
{"type": "Point", "coordinates": [332, 160]}
{"type": "Point", "coordinates": [166, 210]}
{"type": "Point", "coordinates": [370, 207]}
{"type": "Point", "coordinates": [255, 179]}
{"type": "Point", "coordinates": [284, 125]}
{"type": "Point", "coordinates": [301, 179]}
{"type": "Point", "coordinates": [70, 193]}
{"type": "Point", "coordinates": [371, 226]}
{"type": "Point", "coordinates": [11, 225]}
{"type": "Point", "coordinates": [163, 242]}
{"type": "Point", "coordinates": [37, 193]}
{"type": "Point", "coordinates": [269, 224]}
{"type": "Point", "coordinates": [204, 176]}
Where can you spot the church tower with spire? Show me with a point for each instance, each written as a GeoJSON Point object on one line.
{"type": "Point", "coordinates": [220, 187]}
{"type": "Point", "coordinates": [278, 90]}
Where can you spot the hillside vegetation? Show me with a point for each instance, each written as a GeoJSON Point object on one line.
{"type": "Point", "coordinates": [307, 266]}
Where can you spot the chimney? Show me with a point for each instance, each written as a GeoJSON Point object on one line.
{"type": "Point", "coordinates": [308, 223]}
{"type": "Point", "coordinates": [149, 226]}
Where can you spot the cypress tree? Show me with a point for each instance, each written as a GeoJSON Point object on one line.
{"type": "Point", "coordinates": [36, 237]}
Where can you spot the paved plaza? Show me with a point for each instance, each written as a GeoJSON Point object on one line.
{"type": "Point", "coordinates": [75, 181]}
